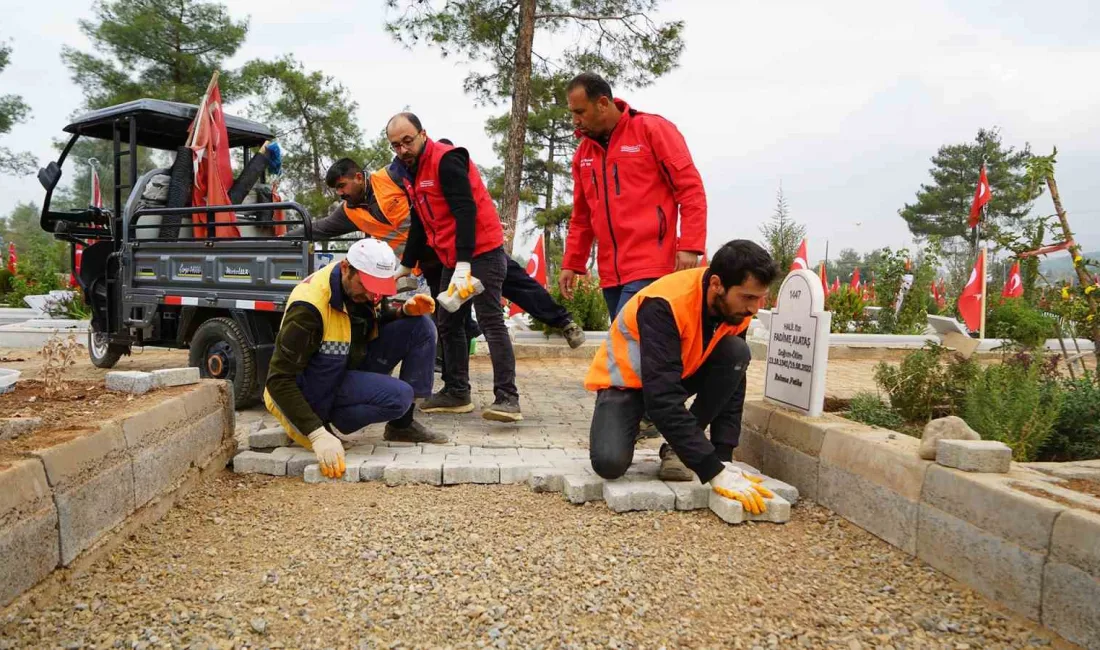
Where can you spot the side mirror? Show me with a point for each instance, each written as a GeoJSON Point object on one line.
{"type": "Point", "coordinates": [49, 175]}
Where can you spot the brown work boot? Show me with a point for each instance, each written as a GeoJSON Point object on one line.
{"type": "Point", "coordinates": [446, 402]}
{"type": "Point", "coordinates": [503, 410]}
{"type": "Point", "coordinates": [672, 468]}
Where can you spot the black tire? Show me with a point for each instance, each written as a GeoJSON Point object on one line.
{"type": "Point", "coordinates": [102, 353]}
{"type": "Point", "coordinates": [220, 350]}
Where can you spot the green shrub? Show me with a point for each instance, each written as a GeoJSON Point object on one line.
{"type": "Point", "coordinates": [587, 307]}
{"type": "Point", "coordinates": [37, 272]}
{"type": "Point", "coordinates": [868, 408]}
{"type": "Point", "coordinates": [1014, 319]}
{"type": "Point", "coordinates": [1011, 402]}
{"type": "Point", "coordinates": [5, 281]}
{"type": "Point", "coordinates": [930, 382]}
{"type": "Point", "coordinates": [847, 306]}
{"type": "Point", "coordinates": [71, 307]}
{"type": "Point", "coordinates": [1076, 434]}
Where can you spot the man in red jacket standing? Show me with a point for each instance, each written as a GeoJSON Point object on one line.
{"type": "Point", "coordinates": [633, 182]}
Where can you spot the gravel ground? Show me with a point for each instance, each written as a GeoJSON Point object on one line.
{"type": "Point", "coordinates": [261, 562]}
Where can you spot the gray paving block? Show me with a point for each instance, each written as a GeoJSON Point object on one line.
{"type": "Point", "coordinates": [298, 460]}
{"type": "Point", "coordinates": [494, 451]}
{"type": "Point", "coordinates": [785, 490]}
{"type": "Point", "coordinates": [254, 462]}
{"type": "Point", "coordinates": [690, 495]}
{"type": "Point", "coordinates": [582, 488]}
{"type": "Point", "coordinates": [974, 455]}
{"type": "Point", "coordinates": [268, 438]}
{"type": "Point", "coordinates": [168, 377]}
{"type": "Point", "coordinates": [472, 470]}
{"type": "Point", "coordinates": [515, 470]}
{"type": "Point", "coordinates": [728, 510]}
{"type": "Point", "coordinates": [134, 382]}
{"type": "Point", "coordinates": [398, 444]}
{"type": "Point", "coordinates": [402, 472]}
{"type": "Point", "coordinates": [622, 496]}
{"type": "Point", "coordinates": [546, 479]}
{"type": "Point", "coordinates": [373, 468]}
{"type": "Point", "coordinates": [776, 510]}
{"type": "Point", "coordinates": [312, 474]}
{"type": "Point", "coordinates": [745, 467]}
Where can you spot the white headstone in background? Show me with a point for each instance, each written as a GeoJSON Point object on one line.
{"type": "Point", "coordinates": [798, 345]}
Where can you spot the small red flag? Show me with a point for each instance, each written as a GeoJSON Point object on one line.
{"type": "Point", "coordinates": [1014, 286]}
{"type": "Point", "coordinates": [824, 279]}
{"type": "Point", "coordinates": [982, 195]}
{"type": "Point", "coordinates": [970, 300]}
{"type": "Point", "coordinates": [854, 284]}
{"type": "Point", "coordinates": [800, 258]}
{"type": "Point", "coordinates": [536, 268]}
{"type": "Point", "coordinates": [836, 284]}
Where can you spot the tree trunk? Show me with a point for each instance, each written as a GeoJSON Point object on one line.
{"type": "Point", "coordinates": [549, 204]}
{"type": "Point", "coordinates": [517, 130]}
{"type": "Point", "coordinates": [1075, 252]}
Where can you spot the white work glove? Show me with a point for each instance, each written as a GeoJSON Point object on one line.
{"type": "Point", "coordinates": [329, 451]}
{"type": "Point", "coordinates": [461, 281]}
{"type": "Point", "coordinates": [732, 483]}
{"type": "Point", "coordinates": [401, 271]}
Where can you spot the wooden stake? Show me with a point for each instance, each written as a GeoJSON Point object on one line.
{"type": "Point", "coordinates": [202, 107]}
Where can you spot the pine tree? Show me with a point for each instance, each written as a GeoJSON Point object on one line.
{"type": "Point", "coordinates": [13, 110]}
{"type": "Point", "coordinates": [782, 235]}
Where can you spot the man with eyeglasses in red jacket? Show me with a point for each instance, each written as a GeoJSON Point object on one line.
{"type": "Point", "coordinates": [634, 182]}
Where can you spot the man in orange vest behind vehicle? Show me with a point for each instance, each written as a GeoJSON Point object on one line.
{"type": "Point", "coordinates": [680, 336]}
{"type": "Point", "coordinates": [454, 215]}
{"type": "Point", "coordinates": [633, 182]}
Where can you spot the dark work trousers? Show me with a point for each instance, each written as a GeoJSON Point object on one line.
{"type": "Point", "coordinates": [532, 297]}
{"type": "Point", "coordinates": [369, 394]}
{"type": "Point", "coordinates": [617, 297]}
{"type": "Point", "coordinates": [719, 389]}
{"type": "Point", "coordinates": [491, 269]}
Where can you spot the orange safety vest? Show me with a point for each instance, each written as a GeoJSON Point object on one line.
{"type": "Point", "coordinates": [394, 205]}
{"type": "Point", "coordinates": [618, 362]}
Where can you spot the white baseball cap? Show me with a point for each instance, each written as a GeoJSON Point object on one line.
{"type": "Point", "coordinates": [376, 265]}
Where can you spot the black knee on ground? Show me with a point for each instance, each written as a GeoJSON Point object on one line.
{"type": "Point", "coordinates": [610, 466]}
{"type": "Point", "coordinates": [732, 351]}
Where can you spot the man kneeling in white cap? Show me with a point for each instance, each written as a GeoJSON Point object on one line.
{"type": "Point", "coordinates": [339, 341]}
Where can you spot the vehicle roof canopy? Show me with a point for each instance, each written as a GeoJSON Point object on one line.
{"type": "Point", "coordinates": [163, 125]}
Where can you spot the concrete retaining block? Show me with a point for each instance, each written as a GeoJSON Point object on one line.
{"type": "Point", "coordinates": [873, 480]}
{"type": "Point", "coordinates": [29, 549]}
{"type": "Point", "coordinates": [975, 455]}
{"type": "Point", "coordinates": [168, 377]}
{"type": "Point", "coordinates": [780, 461]}
{"type": "Point", "coordinates": [255, 462]}
{"type": "Point", "coordinates": [690, 495]}
{"type": "Point", "coordinates": [803, 433]}
{"type": "Point", "coordinates": [480, 469]}
{"type": "Point", "coordinates": [623, 496]}
{"type": "Point", "coordinates": [160, 464]}
{"type": "Point", "coordinates": [133, 382]}
{"type": "Point", "coordinates": [270, 438]}
{"type": "Point", "coordinates": [403, 472]}
{"type": "Point", "coordinates": [582, 488]}
{"type": "Point", "coordinates": [1071, 578]}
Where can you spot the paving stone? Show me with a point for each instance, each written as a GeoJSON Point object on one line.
{"type": "Point", "coordinates": [168, 377]}
{"type": "Point", "coordinates": [515, 470]}
{"type": "Point", "coordinates": [622, 496]}
{"type": "Point", "coordinates": [373, 468]}
{"type": "Point", "coordinates": [546, 479]}
{"type": "Point", "coordinates": [776, 510]}
{"type": "Point", "coordinates": [362, 449]}
{"type": "Point", "coordinates": [988, 456]}
{"type": "Point", "coordinates": [541, 454]}
{"type": "Point", "coordinates": [582, 488]}
{"type": "Point", "coordinates": [690, 495]}
{"type": "Point", "coordinates": [402, 452]}
{"type": "Point", "coordinates": [472, 470]}
{"type": "Point", "coordinates": [398, 444]}
{"type": "Point", "coordinates": [951, 427]}
{"type": "Point", "coordinates": [296, 463]}
{"type": "Point", "coordinates": [451, 450]}
{"type": "Point", "coordinates": [384, 452]}
{"type": "Point", "coordinates": [130, 381]}
{"type": "Point", "coordinates": [494, 451]}
{"type": "Point", "coordinates": [268, 438]}
{"type": "Point", "coordinates": [785, 490]}
{"type": "Point", "coordinates": [255, 462]}
{"type": "Point", "coordinates": [457, 458]}
{"type": "Point", "coordinates": [312, 474]}
{"type": "Point", "coordinates": [745, 467]}
{"type": "Point", "coordinates": [402, 472]}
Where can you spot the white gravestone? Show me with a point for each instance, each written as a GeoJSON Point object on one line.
{"type": "Point", "coordinates": [798, 345]}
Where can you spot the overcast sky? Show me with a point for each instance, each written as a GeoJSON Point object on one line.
{"type": "Point", "coordinates": [842, 102]}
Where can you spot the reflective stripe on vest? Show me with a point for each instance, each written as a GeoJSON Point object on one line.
{"type": "Point", "coordinates": [618, 362]}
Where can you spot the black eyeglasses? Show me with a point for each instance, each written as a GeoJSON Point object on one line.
{"type": "Point", "coordinates": [404, 143]}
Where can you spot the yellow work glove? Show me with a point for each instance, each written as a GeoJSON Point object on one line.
{"type": "Point", "coordinates": [419, 305]}
{"type": "Point", "coordinates": [329, 451]}
{"type": "Point", "coordinates": [732, 483]}
{"type": "Point", "coordinates": [461, 281]}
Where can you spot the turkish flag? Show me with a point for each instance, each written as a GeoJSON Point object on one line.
{"type": "Point", "coordinates": [854, 284]}
{"type": "Point", "coordinates": [210, 157]}
{"type": "Point", "coordinates": [536, 268]}
{"type": "Point", "coordinates": [970, 300]}
{"type": "Point", "coordinates": [11, 257]}
{"type": "Point", "coordinates": [982, 195]}
{"type": "Point", "coordinates": [824, 280]}
{"type": "Point", "coordinates": [1014, 286]}
{"type": "Point", "coordinates": [800, 258]}
{"type": "Point", "coordinates": [836, 284]}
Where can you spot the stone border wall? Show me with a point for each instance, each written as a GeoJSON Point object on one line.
{"type": "Point", "coordinates": [66, 505]}
{"type": "Point", "coordinates": [1036, 556]}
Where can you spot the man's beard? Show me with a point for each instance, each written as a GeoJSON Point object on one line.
{"type": "Point", "coordinates": [728, 318]}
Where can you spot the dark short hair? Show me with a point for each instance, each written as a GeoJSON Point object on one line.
{"type": "Point", "coordinates": [594, 86]}
{"type": "Point", "coordinates": [413, 119]}
{"type": "Point", "coordinates": [740, 258]}
{"type": "Point", "coordinates": [343, 168]}
{"type": "Point", "coordinates": [444, 141]}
